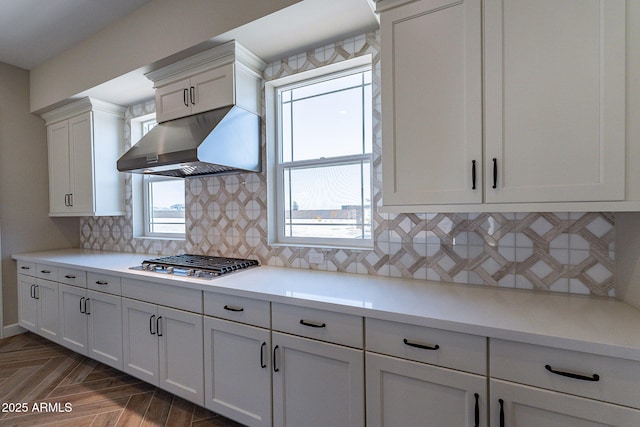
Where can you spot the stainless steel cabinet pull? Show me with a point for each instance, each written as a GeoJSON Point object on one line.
{"type": "Point", "coordinates": [262, 364]}
{"type": "Point", "coordinates": [86, 309]}
{"type": "Point", "coordinates": [70, 199]}
{"type": "Point", "coordinates": [594, 377]}
{"type": "Point", "coordinates": [36, 292]}
{"type": "Point", "coordinates": [192, 95]}
{"type": "Point", "coordinates": [312, 324]}
{"type": "Point", "coordinates": [32, 291]}
{"type": "Point", "coordinates": [275, 366]}
{"type": "Point", "coordinates": [151, 322]}
{"type": "Point", "coordinates": [184, 97]}
{"type": "Point", "coordinates": [83, 311]}
{"type": "Point", "coordinates": [233, 308]}
{"type": "Point", "coordinates": [421, 346]}
{"type": "Point", "coordinates": [101, 282]}
{"type": "Point", "coordinates": [158, 324]}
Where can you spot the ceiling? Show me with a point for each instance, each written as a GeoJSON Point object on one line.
{"type": "Point", "coordinates": [33, 31]}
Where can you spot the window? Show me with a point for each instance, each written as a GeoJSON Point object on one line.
{"type": "Point", "coordinates": [160, 209]}
{"type": "Point", "coordinates": [322, 158]}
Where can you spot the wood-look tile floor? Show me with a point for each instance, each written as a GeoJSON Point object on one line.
{"type": "Point", "coordinates": [34, 370]}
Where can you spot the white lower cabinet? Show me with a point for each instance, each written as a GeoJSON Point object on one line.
{"type": "Point", "coordinates": [316, 383]}
{"type": "Point", "coordinates": [237, 371]}
{"type": "Point", "coordinates": [514, 405]}
{"type": "Point", "coordinates": [163, 346]}
{"type": "Point", "coordinates": [91, 324]}
{"type": "Point", "coordinates": [38, 306]}
{"type": "Point", "coordinates": [405, 393]}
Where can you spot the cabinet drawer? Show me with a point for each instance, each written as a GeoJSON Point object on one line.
{"type": "Point", "coordinates": [72, 277]}
{"type": "Point", "coordinates": [104, 283]}
{"type": "Point", "coordinates": [239, 309]}
{"type": "Point", "coordinates": [322, 325]}
{"type": "Point", "coordinates": [435, 346]}
{"type": "Point", "coordinates": [27, 268]}
{"type": "Point", "coordinates": [47, 272]}
{"type": "Point", "coordinates": [603, 378]}
{"type": "Point", "coordinates": [167, 295]}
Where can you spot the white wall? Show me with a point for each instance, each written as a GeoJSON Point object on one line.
{"type": "Point", "coordinates": [24, 186]}
{"type": "Point", "coordinates": [153, 32]}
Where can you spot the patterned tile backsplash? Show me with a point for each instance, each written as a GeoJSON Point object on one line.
{"type": "Point", "coordinates": [227, 215]}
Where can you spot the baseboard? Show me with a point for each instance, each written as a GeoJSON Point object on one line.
{"type": "Point", "coordinates": [11, 330]}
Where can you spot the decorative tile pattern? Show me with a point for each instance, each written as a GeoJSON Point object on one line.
{"type": "Point", "coordinates": [227, 215]}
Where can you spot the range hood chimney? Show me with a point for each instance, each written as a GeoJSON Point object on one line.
{"type": "Point", "coordinates": [223, 139]}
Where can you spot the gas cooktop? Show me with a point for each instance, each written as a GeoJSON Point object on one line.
{"type": "Point", "coordinates": [199, 266]}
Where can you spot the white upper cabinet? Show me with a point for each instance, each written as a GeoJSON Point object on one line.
{"type": "Point", "coordinates": [225, 75]}
{"type": "Point", "coordinates": [554, 100]}
{"type": "Point", "coordinates": [84, 140]}
{"type": "Point", "coordinates": [431, 103]}
{"type": "Point", "coordinates": [498, 103]}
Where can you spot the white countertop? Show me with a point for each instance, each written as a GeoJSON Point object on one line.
{"type": "Point", "coordinates": [576, 322]}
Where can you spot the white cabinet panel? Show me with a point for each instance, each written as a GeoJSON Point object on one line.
{"type": "Point", "coordinates": [405, 393]}
{"type": "Point", "coordinates": [181, 353]}
{"type": "Point", "coordinates": [316, 383]}
{"type": "Point", "coordinates": [139, 340]}
{"type": "Point", "coordinates": [172, 101]}
{"type": "Point", "coordinates": [27, 303]}
{"type": "Point", "coordinates": [555, 100]}
{"type": "Point", "coordinates": [520, 405]}
{"type": "Point", "coordinates": [237, 371]}
{"type": "Point", "coordinates": [105, 328]}
{"type": "Point", "coordinates": [47, 296]}
{"type": "Point", "coordinates": [73, 318]}
{"type": "Point", "coordinates": [431, 103]}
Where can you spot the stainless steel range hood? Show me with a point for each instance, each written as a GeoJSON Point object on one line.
{"type": "Point", "coordinates": [225, 140]}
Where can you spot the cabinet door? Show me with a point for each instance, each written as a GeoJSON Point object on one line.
{"type": "Point", "coordinates": [73, 320]}
{"type": "Point", "coordinates": [237, 371]}
{"type": "Point", "coordinates": [172, 101]}
{"type": "Point", "coordinates": [59, 167]}
{"type": "Point", "coordinates": [520, 405]}
{"type": "Point", "coordinates": [181, 354]}
{"type": "Point", "coordinates": [48, 310]}
{"type": "Point", "coordinates": [316, 383]}
{"type": "Point", "coordinates": [140, 340]}
{"type": "Point", "coordinates": [81, 155]}
{"type": "Point", "coordinates": [431, 103]}
{"type": "Point", "coordinates": [212, 89]}
{"type": "Point", "coordinates": [105, 328]}
{"type": "Point", "coordinates": [27, 303]}
{"type": "Point", "coordinates": [555, 100]}
{"type": "Point", "coordinates": [405, 393]}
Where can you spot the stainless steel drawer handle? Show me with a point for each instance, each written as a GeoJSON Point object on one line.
{"type": "Point", "coordinates": [101, 282]}
{"type": "Point", "coordinates": [233, 308]}
{"type": "Point", "coordinates": [312, 324]}
{"type": "Point", "coordinates": [594, 377]}
{"type": "Point", "coordinates": [421, 346]}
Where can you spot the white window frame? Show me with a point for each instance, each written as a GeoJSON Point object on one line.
{"type": "Point", "coordinates": [140, 186]}
{"type": "Point", "coordinates": [275, 191]}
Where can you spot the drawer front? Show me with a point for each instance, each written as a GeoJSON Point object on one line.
{"type": "Point", "coordinates": [47, 272]}
{"type": "Point", "coordinates": [239, 309]}
{"type": "Point", "coordinates": [104, 283]}
{"type": "Point", "coordinates": [27, 268]}
{"type": "Point", "coordinates": [322, 325]}
{"type": "Point", "coordinates": [598, 377]}
{"type": "Point", "coordinates": [161, 294]}
{"type": "Point", "coordinates": [72, 277]}
{"type": "Point", "coordinates": [435, 346]}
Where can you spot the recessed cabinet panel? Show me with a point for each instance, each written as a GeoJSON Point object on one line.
{"type": "Point", "coordinates": [432, 130]}
{"type": "Point", "coordinates": [213, 89]}
{"type": "Point", "coordinates": [105, 328]}
{"type": "Point", "coordinates": [59, 168]}
{"type": "Point", "coordinates": [73, 319]}
{"type": "Point", "coordinates": [405, 393]}
{"type": "Point", "coordinates": [81, 152]}
{"type": "Point", "coordinates": [555, 100]}
{"type": "Point", "coordinates": [172, 101]}
{"type": "Point", "coordinates": [140, 340]}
